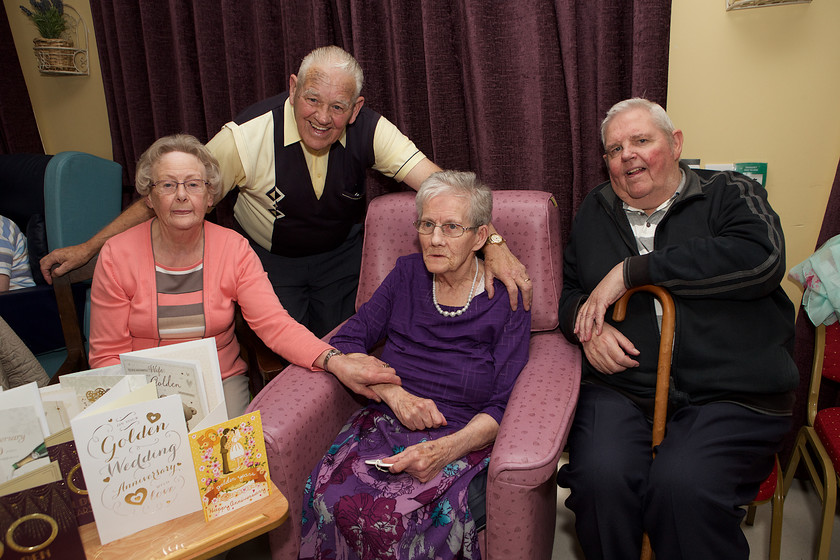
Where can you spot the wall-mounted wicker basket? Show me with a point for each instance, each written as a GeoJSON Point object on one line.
{"type": "Point", "coordinates": [67, 55]}
{"type": "Point", "coordinates": [741, 4]}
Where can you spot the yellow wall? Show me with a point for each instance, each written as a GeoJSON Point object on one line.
{"type": "Point", "coordinates": [761, 85]}
{"type": "Point", "coordinates": [749, 85]}
{"type": "Point", "coordinates": [70, 110]}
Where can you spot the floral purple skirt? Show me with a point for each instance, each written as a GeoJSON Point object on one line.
{"type": "Point", "coordinates": [354, 511]}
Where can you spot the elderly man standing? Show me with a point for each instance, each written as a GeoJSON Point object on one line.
{"type": "Point", "coordinates": [715, 243]}
{"type": "Point", "coordinates": [299, 160]}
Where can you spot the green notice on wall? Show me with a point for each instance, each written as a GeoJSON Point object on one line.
{"type": "Point", "coordinates": [754, 170]}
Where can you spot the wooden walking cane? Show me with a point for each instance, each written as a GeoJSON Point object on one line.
{"type": "Point", "coordinates": [663, 369]}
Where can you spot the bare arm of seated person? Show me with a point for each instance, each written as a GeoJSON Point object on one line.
{"type": "Point", "coordinates": [425, 460]}
{"type": "Point", "coordinates": [358, 371]}
{"type": "Point", "coordinates": [5, 282]}
{"type": "Point", "coordinates": [74, 256]}
{"type": "Point", "coordinates": [500, 261]}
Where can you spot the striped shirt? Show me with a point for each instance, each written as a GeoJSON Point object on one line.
{"type": "Point", "coordinates": [14, 259]}
{"type": "Point", "coordinates": [180, 302]}
{"type": "Point", "coordinates": [644, 228]}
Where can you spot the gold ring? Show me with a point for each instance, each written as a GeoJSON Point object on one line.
{"type": "Point", "coordinates": [385, 364]}
{"type": "Point", "coordinates": [31, 517]}
{"type": "Point", "coordinates": [73, 488]}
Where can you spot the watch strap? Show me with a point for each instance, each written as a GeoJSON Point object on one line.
{"type": "Point", "coordinates": [330, 353]}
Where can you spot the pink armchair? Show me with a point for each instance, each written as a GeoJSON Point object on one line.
{"type": "Point", "coordinates": [302, 411]}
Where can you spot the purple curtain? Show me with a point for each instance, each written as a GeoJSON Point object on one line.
{"type": "Point", "coordinates": [513, 90]}
{"type": "Point", "coordinates": [18, 129]}
{"type": "Point", "coordinates": [804, 351]}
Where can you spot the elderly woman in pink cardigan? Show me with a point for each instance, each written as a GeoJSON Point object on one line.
{"type": "Point", "coordinates": [176, 278]}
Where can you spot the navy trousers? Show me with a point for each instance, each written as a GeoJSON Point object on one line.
{"type": "Point", "coordinates": [318, 291]}
{"type": "Point", "coordinates": [711, 462]}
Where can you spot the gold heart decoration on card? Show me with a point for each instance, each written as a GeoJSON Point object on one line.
{"type": "Point", "coordinates": [137, 498]}
{"type": "Point", "coordinates": [94, 394]}
{"type": "Point", "coordinates": [153, 417]}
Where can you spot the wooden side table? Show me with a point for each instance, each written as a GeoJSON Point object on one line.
{"type": "Point", "coordinates": [189, 537]}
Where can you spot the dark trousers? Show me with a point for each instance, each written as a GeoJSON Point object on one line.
{"type": "Point", "coordinates": [318, 291]}
{"type": "Point", "coordinates": [688, 499]}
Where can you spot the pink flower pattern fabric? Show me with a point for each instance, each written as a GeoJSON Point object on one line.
{"type": "Point", "coordinates": [353, 510]}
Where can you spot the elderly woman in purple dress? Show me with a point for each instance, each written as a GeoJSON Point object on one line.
{"type": "Point", "coordinates": [458, 354]}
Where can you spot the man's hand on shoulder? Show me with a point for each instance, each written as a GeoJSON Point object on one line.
{"type": "Point", "coordinates": [68, 258]}
{"type": "Point", "coordinates": [500, 263]}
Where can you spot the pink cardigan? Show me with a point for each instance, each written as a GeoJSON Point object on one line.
{"type": "Point", "coordinates": [124, 301]}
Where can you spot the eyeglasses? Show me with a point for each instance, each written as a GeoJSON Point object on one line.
{"type": "Point", "coordinates": [193, 186]}
{"type": "Point", "coordinates": [426, 227]}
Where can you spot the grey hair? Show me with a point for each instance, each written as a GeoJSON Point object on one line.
{"type": "Point", "coordinates": [184, 143]}
{"type": "Point", "coordinates": [463, 184]}
{"type": "Point", "coordinates": [332, 57]}
{"type": "Point", "coordinates": [657, 113]}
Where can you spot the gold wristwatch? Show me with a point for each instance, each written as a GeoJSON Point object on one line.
{"type": "Point", "coordinates": [495, 239]}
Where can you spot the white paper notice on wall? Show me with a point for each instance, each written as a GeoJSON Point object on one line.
{"type": "Point", "coordinates": [721, 166]}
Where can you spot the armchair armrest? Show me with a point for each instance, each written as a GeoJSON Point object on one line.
{"type": "Point", "coordinates": [263, 364]}
{"type": "Point", "coordinates": [302, 411]}
{"type": "Point", "coordinates": [520, 484]}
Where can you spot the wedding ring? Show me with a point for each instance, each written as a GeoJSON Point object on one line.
{"type": "Point", "coordinates": [72, 485]}
{"type": "Point", "coordinates": [10, 533]}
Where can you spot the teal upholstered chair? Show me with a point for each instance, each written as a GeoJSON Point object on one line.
{"type": "Point", "coordinates": [82, 194]}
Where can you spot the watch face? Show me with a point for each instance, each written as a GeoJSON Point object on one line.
{"type": "Point", "coordinates": [495, 239]}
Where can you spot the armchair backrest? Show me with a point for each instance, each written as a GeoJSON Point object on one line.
{"type": "Point", "coordinates": [82, 194]}
{"type": "Point", "coordinates": [528, 220]}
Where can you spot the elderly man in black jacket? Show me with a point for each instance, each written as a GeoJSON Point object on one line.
{"type": "Point", "coordinates": [715, 243]}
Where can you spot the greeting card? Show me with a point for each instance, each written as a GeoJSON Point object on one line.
{"type": "Point", "coordinates": [230, 464]}
{"type": "Point", "coordinates": [21, 442]}
{"type": "Point", "coordinates": [136, 460]}
{"type": "Point", "coordinates": [26, 396]}
{"type": "Point", "coordinates": [91, 384]}
{"type": "Point", "coordinates": [202, 351]}
{"type": "Point", "coordinates": [173, 377]}
{"type": "Point", "coordinates": [62, 450]}
{"type": "Point", "coordinates": [60, 405]}
{"type": "Point", "coordinates": [36, 518]}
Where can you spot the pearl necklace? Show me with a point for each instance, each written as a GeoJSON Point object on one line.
{"type": "Point", "coordinates": [469, 298]}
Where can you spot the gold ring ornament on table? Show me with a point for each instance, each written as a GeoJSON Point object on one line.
{"type": "Point", "coordinates": [10, 533]}
{"type": "Point", "coordinates": [72, 485]}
